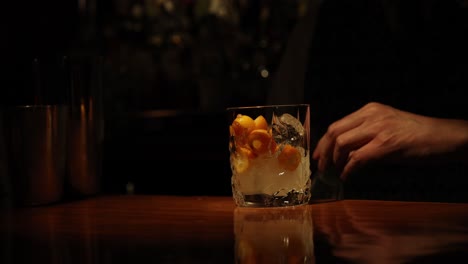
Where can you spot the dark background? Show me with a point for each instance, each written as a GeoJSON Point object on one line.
{"type": "Point", "coordinates": [170, 68]}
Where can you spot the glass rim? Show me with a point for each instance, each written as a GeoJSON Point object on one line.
{"type": "Point", "coordinates": [267, 106]}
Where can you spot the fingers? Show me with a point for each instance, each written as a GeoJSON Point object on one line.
{"type": "Point", "coordinates": [365, 135]}
{"type": "Point", "coordinates": [348, 142]}
{"type": "Point", "coordinates": [361, 157]}
{"type": "Point", "coordinates": [324, 151]}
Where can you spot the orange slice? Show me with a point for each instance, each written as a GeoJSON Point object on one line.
{"type": "Point", "coordinates": [242, 126]}
{"type": "Point", "coordinates": [240, 160]}
{"type": "Point", "coordinates": [260, 141]}
{"type": "Point", "coordinates": [289, 158]}
{"type": "Point", "coordinates": [261, 123]}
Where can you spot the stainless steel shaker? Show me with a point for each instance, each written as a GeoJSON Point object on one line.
{"type": "Point", "coordinates": [36, 150]}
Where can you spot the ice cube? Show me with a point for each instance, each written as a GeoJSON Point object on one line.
{"type": "Point", "coordinates": [288, 130]}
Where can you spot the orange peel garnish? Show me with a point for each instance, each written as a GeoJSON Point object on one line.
{"type": "Point", "coordinates": [243, 125]}
{"type": "Point", "coordinates": [289, 158]}
{"type": "Point", "coordinates": [241, 128]}
{"type": "Point", "coordinates": [261, 123]}
{"type": "Point", "coordinates": [261, 142]}
{"type": "Point", "coordinates": [240, 160]}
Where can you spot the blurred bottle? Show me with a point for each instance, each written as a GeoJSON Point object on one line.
{"type": "Point", "coordinates": [84, 75]}
{"type": "Point", "coordinates": [86, 130]}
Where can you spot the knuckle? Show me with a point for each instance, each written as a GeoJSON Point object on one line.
{"type": "Point", "coordinates": [372, 107]}
{"type": "Point", "coordinates": [332, 130]}
{"type": "Point", "coordinates": [356, 159]}
{"type": "Point", "coordinates": [340, 143]}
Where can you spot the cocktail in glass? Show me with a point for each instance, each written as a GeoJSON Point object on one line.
{"type": "Point", "coordinates": [269, 155]}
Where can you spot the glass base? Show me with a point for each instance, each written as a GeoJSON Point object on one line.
{"type": "Point", "coordinates": [265, 200]}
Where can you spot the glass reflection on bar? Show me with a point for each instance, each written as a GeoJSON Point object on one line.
{"type": "Point", "coordinates": [274, 235]}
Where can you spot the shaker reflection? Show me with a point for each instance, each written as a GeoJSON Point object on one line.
{"type": "Point", "coordinates": [274, 235]}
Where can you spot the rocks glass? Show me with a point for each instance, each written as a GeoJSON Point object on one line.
{"type": "Point", "coordinates": [269, 155]}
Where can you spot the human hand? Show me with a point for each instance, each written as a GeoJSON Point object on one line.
{"type": "Point", "coordinates": [378, 132]}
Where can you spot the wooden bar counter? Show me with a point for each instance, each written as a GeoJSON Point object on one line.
{"type": "Point", "coordinates": [210, 229]}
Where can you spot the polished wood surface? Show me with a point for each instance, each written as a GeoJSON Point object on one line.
{"type": "Point", "coordinates": [209, 229]}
